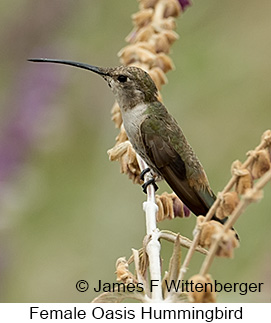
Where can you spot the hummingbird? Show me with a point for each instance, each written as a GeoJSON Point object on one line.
{"type": "Point", "coordinates": [155, 134]}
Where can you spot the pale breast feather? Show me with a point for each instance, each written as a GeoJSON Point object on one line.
{"type": "Point", "coordinates": [132, 118]}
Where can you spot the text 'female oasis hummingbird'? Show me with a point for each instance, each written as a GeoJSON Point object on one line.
{"type": "Point", "coordinates": [155, 134]}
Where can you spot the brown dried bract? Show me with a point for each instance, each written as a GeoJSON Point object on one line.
{"type": "Point", "coordinates": [266, 137]}
{"type": "Point", "coordinates": [142, 17]}
{"type": "Point", "coordinates": [125, 154]}
{"type": "Point", "coordinates": [158, 76]}
{"type": "Point", "coordinates": [122, 136]}
{"type": "Point", "coordinates": [144, 34]}
{"type": "Point", "coordinates": [164, 62]}
{"type": "Point", "coordinates": [172, 8]}
{"type": "Point", "coordinates": [129, 165]}
{"type": "Point", "coordinates": [244, 183]}
{"type": "Point", "coordinates": [171, 35]}
{"type": "Point", "coordinates": [227, 245]}
{"type": "Point", "coordinates": [160, 43]}
{"type": "Point", "coordinates": [210, 231]}
{"type": "Point", "coordinates": [123, 273]}
{"type": "Point", "coordinates": [165, 24]}
{"type": "Point", "coordinates": [169, 207]}
{"type": "Point", "coordinates": [260, 164]}
{"type": "Point", "coordinates": [207, 295]}
{"type": "Point", "coordinates": [227, 204]}
{"type": "Point", "coordinates": [129, 55]}
{"type": "Point", "coordinates": [244, 180]}
{"type": "Point", "coordinates": [116, 115]}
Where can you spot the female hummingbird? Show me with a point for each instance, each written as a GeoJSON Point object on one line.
{"type": "Point", "coordinates": [155, 134]}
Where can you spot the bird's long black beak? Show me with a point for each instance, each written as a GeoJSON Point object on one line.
{"type": "Point", "coordinates": [92, 68]}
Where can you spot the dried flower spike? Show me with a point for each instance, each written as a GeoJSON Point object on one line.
{"type": "Point", "coordinates": [150, 41]}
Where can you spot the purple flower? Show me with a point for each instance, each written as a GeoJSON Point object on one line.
{"type": "Point", "coordinates": [184, 3]}
{"type": "Point", "coordinates": [180, 209]}
{"type": "Point", "coordinates": [32, 94]}
{"type": "Point", "coordinates": [186, 210]}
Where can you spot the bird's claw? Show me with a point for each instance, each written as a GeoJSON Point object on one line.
{"type": "Point", "coordinates": [146, 184]}
{"type": "Point", "coordinates": [144, 172]}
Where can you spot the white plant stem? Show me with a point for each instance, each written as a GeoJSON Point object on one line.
{"type": "Point", "coordinates": [153, 247]}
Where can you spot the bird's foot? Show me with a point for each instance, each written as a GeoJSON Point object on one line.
{"type": "Point", "coordinates": [144, 172]}
{"type": "Point", "coordinates": [147, 183]}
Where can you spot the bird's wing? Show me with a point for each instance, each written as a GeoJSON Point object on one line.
{"type": "Point", "coordinates": [158, 142]}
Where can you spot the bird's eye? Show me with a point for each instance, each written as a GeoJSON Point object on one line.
{"type": "Point", "coordinates": [122, 78]}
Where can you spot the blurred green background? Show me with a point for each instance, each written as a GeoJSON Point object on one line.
{"type": "Point", "coordinates": [66, 213]}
